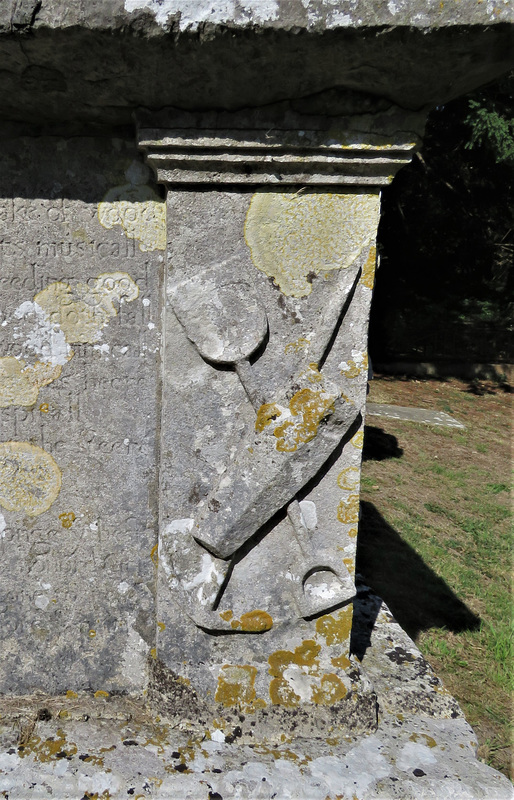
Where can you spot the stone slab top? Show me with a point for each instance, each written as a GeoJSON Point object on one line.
{"type": "Point", "coordinates": [96, 62]}
{"type": "Point", "coordinates": [303, 15]}
{"type": "Point", "coordinates": [423, 415]}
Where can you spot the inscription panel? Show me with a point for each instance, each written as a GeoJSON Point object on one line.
{"type": "Point", "coordinates": [79, 354]}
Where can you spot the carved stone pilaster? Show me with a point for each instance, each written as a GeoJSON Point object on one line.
{"type": "Point", "coordinates": [270, 269]}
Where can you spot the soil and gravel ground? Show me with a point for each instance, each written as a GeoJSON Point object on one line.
{"type": "Point", "coordinates": [435, 540]}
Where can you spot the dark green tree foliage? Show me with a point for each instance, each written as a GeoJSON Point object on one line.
{"type": "Point", "coordinates": [445, 286]}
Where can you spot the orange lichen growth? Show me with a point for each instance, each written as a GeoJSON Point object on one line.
{"type": "Point", "coordinates": [236, 687]}
{"type": "Point", "coordinates": [358, 440]}
{"type": "Point", "coordinates": [341, 661]}
{"type": "Point", "coordinates": [67, 519]}
{"type": "Point", "coordinates": [431, 742]}
{"type": "Point", "coordinates": [368, 270]}
{"type": "Point", "coordinates": [297, 346]}
{"type": "Point", "coordinates": [348, 479]}
{"type": "Point", "coordinates": [348, 510]}
{"type": "Point", "coordinates": [46, 750]}
{"type": "Point", "coordinates": [350, 565]}
{"type": "Point", "coordinates": [309, 407]}
{"type": "Point", "coordinates": [266, 414]}
{"type": "Point", "coordinates": [335, 628]}
{"type": "Point", "coordinates": [352, 370]}
{"type": "Point", "coordinates": [281, 692]}
{"type": "Point", "coordinates": [331, 690]}
{"type": "Point", "coordinates": [256, 621]}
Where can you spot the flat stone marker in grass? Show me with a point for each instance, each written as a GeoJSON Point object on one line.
{"type": "Point", "coordinates": [423, 415]}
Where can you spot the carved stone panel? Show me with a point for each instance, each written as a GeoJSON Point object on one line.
{"type": "Point", "coordinates": [264, 383]}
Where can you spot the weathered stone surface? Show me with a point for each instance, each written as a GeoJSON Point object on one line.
{"type": "Point", "coordinates": [69, 746]}
{"type": "Point", "coordinates": [96, 62]}
{"type": "Point", "coordinates": [423, 415]}
{"type": "Point", "coordinates": [82, 237]}
{"type": "Point", "coordinates": [182, 388]}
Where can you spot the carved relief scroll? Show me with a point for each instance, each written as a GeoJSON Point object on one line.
{"type": "Point", "coordinates": [313, 249]}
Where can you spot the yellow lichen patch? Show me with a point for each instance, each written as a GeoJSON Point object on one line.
{"type": "Point", "coordinates": [67, 519]}
{"type": "Point", "coordinates": [153, 653]}
{"type": "Point", "coordinates": [341, 661]}
{"type": "Point", "coordinates": [368, 271]}
{"type": "Point", "coordinates": [42, 374]}
{"type": "Point", "coordinates": [44, 408]}
{"type": "Point", "coordinates": [431, 742]}
{"type": "Point", "coordinates": [82, 311]}
{"type": "Point", "coordinates": [236, 687]}
{"type": "Point", "coordinates": [351, 370]}
{"type": "Point", "coordinates": [348, 510]}
{"type": "Point", "coordinates": [161, 625]}
{"type": "Point", "coordinates": [348, 479]}
{"type": "Point", "coordinates": [101, 693]}
{"type": "Point", "coordinates": [352, 533]}
{"type": "Point", "coordinates": [91, 633]}
{"type": "Point", "coordinates": [330, 691]}
{"type": "Point", "coordinates": [20, 383]}
{"type": "Point", "coordinates": [304, 656]}
{"type": "Point", "coordinates": [335, 628]}
{"type": "Point", "coordinates": [256, 621]}
{"type": "Point", "coordinates": [266, 414]}
{"type": "Point", "coordinates": [350, 565]}
{"type": "Point", "coordinates": [46, 750]}
{"type": "Point", "coordinates": [297, 346]}
{"type": "Point", "coordinates": [154, 555]}
{"type": "Point", "coordinates": [16, 385]}
{"type": "Point", "coordinates": [308, 408]}
{"type": "Point", "coordinates": [30, 479]}
{"type": "Point", "coordinates": [295, 237]}
{"type": "Point", "coordinates": [358, 440]}
{"type": "Point", "coordinates": [313, 374]}
{"type": "Point", "coordinates": [140, 213]}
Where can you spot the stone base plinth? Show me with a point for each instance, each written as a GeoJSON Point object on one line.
{"type": "Point", "coordinates": [112, 747]}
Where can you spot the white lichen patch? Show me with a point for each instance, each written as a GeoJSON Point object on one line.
{"type": "Point", "coordinates": [194, 12]}
{"type": "Point", "coordinates": [137, 209]}
{"type": "Point", "coordinates": [30, 479]}
{"type": "Point", "coordinates": [39, 337]}
{"type": "Point", "coordinates": [295, 238]}
{"type": "Point", "coordinates": [3, 526]}
{"type": "Point", "coordinates": [41, 332]}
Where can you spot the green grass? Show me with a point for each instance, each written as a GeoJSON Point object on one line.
{"type": "Point", "coordinates": [446, 502]}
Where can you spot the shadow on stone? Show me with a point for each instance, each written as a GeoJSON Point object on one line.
{"type": "Point", "coordinates": [379, 445]}
{"type": "Point", "coordinates": [416, 596]}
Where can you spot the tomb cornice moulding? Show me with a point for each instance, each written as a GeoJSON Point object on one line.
{"type": "Point", "coordinates": [321, 152]}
